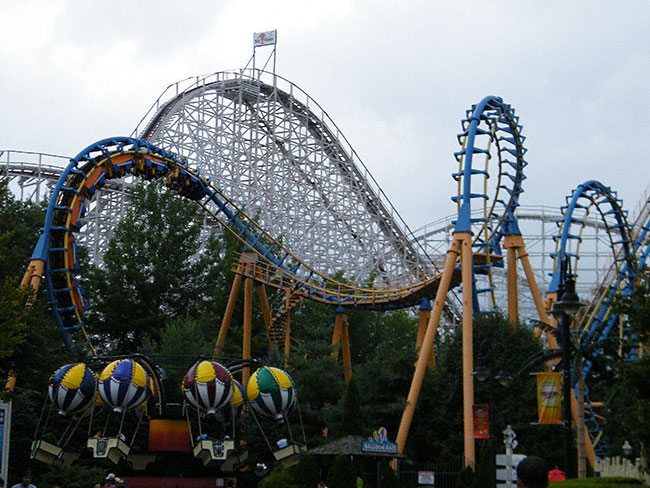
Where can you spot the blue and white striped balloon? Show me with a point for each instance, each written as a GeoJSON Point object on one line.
{"type": "Point", "coordinates": [71, 388]}
{"type": "Point", "coordinates": [124, 385]}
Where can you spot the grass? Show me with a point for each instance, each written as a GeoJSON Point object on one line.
{"type": "Point", "coordinates": [598, 483]}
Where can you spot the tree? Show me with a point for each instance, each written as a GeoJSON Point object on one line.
{"type": "Point", "coordinates": [466, 478]}
{"type": "Point", "coordinates": [19, 225]}
{"type": "Point", "coordinates": [439, 408]}
{"type": "Point", "coordinates": [352, 420]}
{"type": "Point", "coordinates": [306, 472]}
{"type": "Point", "coordinates": [152, 270]}
{"type": "Point", "coordinates": [601, 353]}
{"type": "Point", "coordinates": [77, 474]}
{"type": "Point", "coordinates": [384, 364]}
{"type": "Point", "coordinates": [342, 474]}
{"type": "Point", "coordinates": [30, 343]}
{"type": "Point", "coordinates": [279, 477]}
{"type": "Point", "coordinates": [12, 317]}
{"type": "Point", "coordinates": [389, 478]}
{"type": "Point", "coordinates": [183, 336]}
{"type": "Point", "coordinates": [629, 403]}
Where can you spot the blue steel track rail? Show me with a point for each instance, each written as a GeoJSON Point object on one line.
{"type": "Point", "coordinates": [600, 320]}
{"type": "Point", "coordinates": [121, 156]}
{"type": "Point", "coordinates": [490, 130]}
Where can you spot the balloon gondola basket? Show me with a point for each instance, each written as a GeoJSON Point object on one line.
{"type": "Point", "coordinates": [235, 459]}
{"type": "Point", "coordinates": [213, 450]}
{"type": "Point", "coordinates": [289, 454]}
{"type": "Point", "coordinates": [111, 448]}
{"type": "Point", "coordinates": [46, 451]}
{"type": "Point", "coordinates": [139, 462]}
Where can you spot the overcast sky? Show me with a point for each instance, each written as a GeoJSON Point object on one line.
{"type": "Point", "coordinates": [396, 77]}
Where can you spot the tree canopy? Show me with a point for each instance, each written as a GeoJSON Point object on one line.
{"type": "Point", "coordinates": [629, 402]}
{"type": "Point", "coordinates": [162, 289]}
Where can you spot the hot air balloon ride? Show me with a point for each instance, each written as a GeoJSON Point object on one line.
{"type": "Point", "coordinates": [71, 390]}
{"type": "Point", "coordinates": [271, 394]}
{"type": "Point", "coordinates": [209, 387]}
{"type": "Point", "coordinates": [124, 385]}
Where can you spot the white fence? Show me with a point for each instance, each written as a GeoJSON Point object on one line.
{"type": "Point", "coordinates": [622, 467]}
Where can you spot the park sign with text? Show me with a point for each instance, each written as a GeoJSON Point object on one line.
{"type": "Point", "coordinates": [379, 443]}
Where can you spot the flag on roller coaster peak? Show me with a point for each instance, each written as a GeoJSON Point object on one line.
{"type": "Point", "coordinates": [265, 38]}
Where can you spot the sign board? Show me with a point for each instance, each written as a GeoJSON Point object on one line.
{"type": "Point", "coordinates": [426, 478]}
{"type": "Point", "coordinates": [5, 425]}
{"type": "Point", "coordinates": [384, 447]}
{"type": "Point", "coordinates": [267, 38]}
{"type": "Point", "coordinates": [502, 459]}
{"type": "Point", "coordinates": [508, 475]}
{"type": "Point", "coordinates": [379, 443]}
{"type": "Point", "coordinates": [481, 417]}
{"type": "Point", "coordinates": [502, 475]}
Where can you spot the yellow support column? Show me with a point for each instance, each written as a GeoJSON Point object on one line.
{"type": "Point", "coordinates": [425, 314]}
{"type": "Point", "coordinates": [225, 322]}
{"type": "Point", "coordinates": [347, 358]}
{"type": "Point", "coordinates": [287, 337]}
{"type": "Point", "coordinates": [33, 276]}
{"type": "Point", "coordinates": [513, 298]}
{"type": "Point", "coordinates": [532, 282]}
{"type": "Point", "coordinates": [338, 330]}
{"type": "Point", "coordinates": [427, 345]}
{"type": "Point", "coordinates": [468, 348]}
{"type": "Point", "coordinates": [248, 322]}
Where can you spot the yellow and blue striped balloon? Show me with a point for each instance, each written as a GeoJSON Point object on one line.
{"type": "Point", "coordinates": [124, 385]}
{"type": "Point", "coordinates": [71, 388]}
{"type": "Point", "coordinates": [271, 392]}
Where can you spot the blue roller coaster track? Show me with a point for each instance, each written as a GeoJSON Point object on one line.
{"type": "Point", "coordinates": [491, 136]}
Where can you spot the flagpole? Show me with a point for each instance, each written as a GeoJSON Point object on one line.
{"type": "Point", "coordinates": [267, 38]}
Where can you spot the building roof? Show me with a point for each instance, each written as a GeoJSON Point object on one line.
{"type": "Point", "coordinates": [350, 445]}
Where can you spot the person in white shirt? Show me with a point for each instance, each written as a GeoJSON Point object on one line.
{"type": "Point", "coordinates": [26, 482]}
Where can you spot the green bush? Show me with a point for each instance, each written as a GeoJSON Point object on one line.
{"type": "Point", "coordinates": [388, 478]}
{"type": "Point", "coordinates": [306, 473]}
{"type": "Point", "coordinates": [466, 478]}
{"type": "Point", "coordinates": [598, 483]}
{"type": "Point", "coordinates": [483, 473]}
{"type": "Point", "coordinates": [76, 474]}
{"type": "Point", "coordinates": [278, 478]}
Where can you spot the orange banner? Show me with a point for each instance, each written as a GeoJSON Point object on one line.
{"type": "Point", "coordinates": [481, 421]}
{"type": "Point", "coordinates": [549, 398]}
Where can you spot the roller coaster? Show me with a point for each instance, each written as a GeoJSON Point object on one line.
{"type": "Point", "coordinates": [267, 164]}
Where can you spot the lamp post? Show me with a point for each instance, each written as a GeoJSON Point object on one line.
{"type": "Point", "coordinates": [627, 449]}
{"type": "Point", "coordinates": [564, 310]}
{"type": "Point", "coordinates": [482, 373]}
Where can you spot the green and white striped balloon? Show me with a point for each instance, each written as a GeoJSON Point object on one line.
{"type": "Point", "coordinates": [271, 392]}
